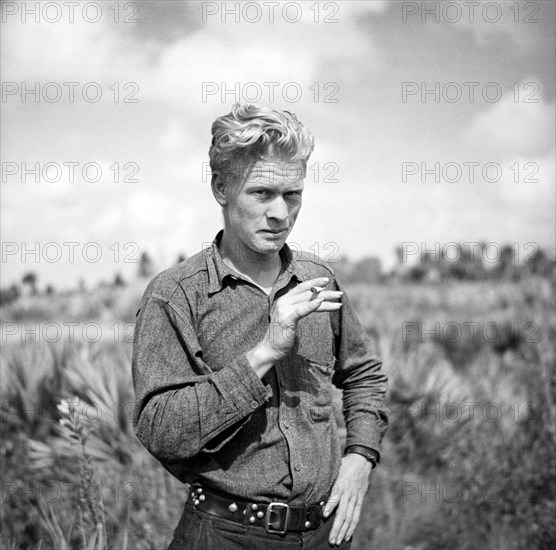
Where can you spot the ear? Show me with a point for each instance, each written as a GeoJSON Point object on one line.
{"type": "Point", "coordinates": [218, 189]}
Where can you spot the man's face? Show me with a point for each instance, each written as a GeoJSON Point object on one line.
{"type": "Point", "coordinates": [260, 211]}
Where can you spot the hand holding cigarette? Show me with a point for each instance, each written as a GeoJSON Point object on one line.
{"type": "Point", "coordinates": [305, 299]}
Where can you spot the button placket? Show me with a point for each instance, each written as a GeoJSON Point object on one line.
{"type": "Point", "coordinates": [285, 424]}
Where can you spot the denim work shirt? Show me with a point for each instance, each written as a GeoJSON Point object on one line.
{"type": "Point", "coordinates": [203, 412]}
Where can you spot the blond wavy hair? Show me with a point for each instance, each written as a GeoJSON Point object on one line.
{"type": "Point", "coordinates": [250, 133]}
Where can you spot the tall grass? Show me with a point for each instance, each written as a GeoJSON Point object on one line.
{"type": "Point", "coordinates": [458, 476]}
{"type": "Point", "coordinates": [79, 480]}
{"type": "Point", "coordinates": [453, 475]}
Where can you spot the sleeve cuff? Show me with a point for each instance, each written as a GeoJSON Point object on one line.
{"type": "Point", "coordinates": [363, 449]}
{"type": "Point", "coordinates": [246, 393]}
{"type": "Point", "coordinates": [241, 383]}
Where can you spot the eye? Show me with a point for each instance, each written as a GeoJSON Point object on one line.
{"type": "Point", "coordinates": [293, 194]}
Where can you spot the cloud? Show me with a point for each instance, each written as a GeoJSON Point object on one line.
{"type": "Point", "coordinates": [232, 61]}
{"type": "Point", "coordinates": [77, 51]}
{"type": "Point", "coordinates": [174, 137]}
{"type": "Point", "coordinates": [508, 128]}
{"type": "Point", "coordinates": [259, 62]}
{"type": "Point", "coordinates": [522, 23]}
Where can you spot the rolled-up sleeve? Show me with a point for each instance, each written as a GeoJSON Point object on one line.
{"type": "Point", "coordinates": [182, 408]}
{"type": "Point", "coordinates": [358, 373]}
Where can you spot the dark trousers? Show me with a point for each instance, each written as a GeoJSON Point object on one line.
{"type": "Point", "coordinates": [201, 531]}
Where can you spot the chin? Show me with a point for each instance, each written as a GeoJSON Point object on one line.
{"type": "Point", "coordinates": [271, 244]}
{"type": "Point", "coordinates": [268, 246]}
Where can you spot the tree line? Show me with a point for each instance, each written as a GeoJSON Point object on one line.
{"type": "Point", "coordinates": [428, 267]}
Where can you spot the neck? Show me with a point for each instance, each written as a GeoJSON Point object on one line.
{"type": "Point", "coordinates": [262, 268]}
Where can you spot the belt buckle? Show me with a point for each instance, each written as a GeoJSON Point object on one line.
{"type": "Point", "coordinates": [267, 522]}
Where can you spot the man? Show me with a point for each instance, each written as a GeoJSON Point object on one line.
{"type": "Point", "coordinates": [235, 353]}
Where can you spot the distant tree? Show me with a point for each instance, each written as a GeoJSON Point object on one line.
{"type": "Point", "coordinates": [30, 279]}
{"type": "Point", "coordinates": [456, 262]}
{"type": "Point", "coordinates": [146, 267]}
{"type": "Point", "coordinates": [181, 258]}
{"type": "Point", "coordinates": [416, 273]}
{"type": "Point", "coordinates": [9, 295]}
{"type": "Point", "coordinates": [49, 290]}
{"type": "Point", "coordinates": [506, 266]}
{"type": "Point", "coordinates": [119, 281]}
{"type": "Point", "coordinates": [15, 290]}
{"type": "Point", "coordinates": [539, 263]}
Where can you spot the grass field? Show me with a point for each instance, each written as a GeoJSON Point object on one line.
{"type": "Point", "coordinates": [468, 461]}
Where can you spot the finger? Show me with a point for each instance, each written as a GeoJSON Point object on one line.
{"type": "Point", "coordinates": [307, 307]}
{"type": "Point", "coordinates": [355, 518]}
{"type": "Point", "coordinates": [346, 526]}
{"type": "Point", "coordinates": [328, 306]}
{"type": "Point", "coordinates": [336, 526]}
{"type": "Point", "coordinates": [339, 522]}
{"type": "Point", "coordinates": [317, 305]}
{"type": "Point", "coordinates": [326, 295]}
{"type": "Point", "coordinates": [331, 504]}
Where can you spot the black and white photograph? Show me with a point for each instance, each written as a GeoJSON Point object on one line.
{"type": "Point", "coordinates": [278, 275]}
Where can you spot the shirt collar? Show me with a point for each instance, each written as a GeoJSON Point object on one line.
{"type": "Point", "coordinates": [218, 270]}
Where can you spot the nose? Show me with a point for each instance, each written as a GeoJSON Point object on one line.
{"type": "Point", "coordinates": [278, 210]}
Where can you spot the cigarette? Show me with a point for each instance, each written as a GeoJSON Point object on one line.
{"type": "Point", "coordinates": [317, 289]}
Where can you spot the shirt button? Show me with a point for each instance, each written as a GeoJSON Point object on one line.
{"type": "Point", "coordinates": [297, 467]}
{"type": "Point", "coordinates": [254, 404]}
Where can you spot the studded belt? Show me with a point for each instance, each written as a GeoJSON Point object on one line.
{"type": "Point", "coordinates": [275, 517]}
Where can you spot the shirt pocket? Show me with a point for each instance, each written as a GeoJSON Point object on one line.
{"type": "Point", "coordinates": [316, 382]}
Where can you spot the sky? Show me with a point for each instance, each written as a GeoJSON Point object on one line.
{"type": "Point", "coordinates": [433, 123]}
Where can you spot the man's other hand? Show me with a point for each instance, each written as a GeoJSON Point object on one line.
{"type": "Point", "coordinates": [347, 494]}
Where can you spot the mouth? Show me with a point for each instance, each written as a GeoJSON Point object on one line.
{"type": "Point", "coordinates": [273, 232]}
